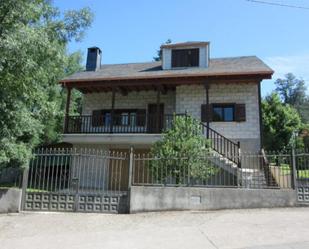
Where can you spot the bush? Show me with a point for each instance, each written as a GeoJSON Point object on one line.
{"type": "Point", "coordinates": [182, 153]}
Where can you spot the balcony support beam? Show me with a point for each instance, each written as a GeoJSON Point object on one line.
{"type": "Point", "coordinates": [207, 86]}
{"type": "Point", "coordinates": [158, 110]}
{"type": "Point", "coordinates": [67, 109]}
{"type": "Point", "coordinates": [112, 110]}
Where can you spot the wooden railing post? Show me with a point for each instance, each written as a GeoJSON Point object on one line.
{"type": "Point", "coordinates": [207, 106]}
{"type": "Point", "coordinates": [158, 112]}
{"type": "Point", "coordinates": [112, 111]}
{"type": "Point", "coordinates": [67, 110]}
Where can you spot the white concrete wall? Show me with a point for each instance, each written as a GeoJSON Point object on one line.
{"type": "Point", "coordinates": [145, 199]}
{"type": "Point", "coordinates": [138, 100]}
{"type": "Point", "coordinates": [190, 99]}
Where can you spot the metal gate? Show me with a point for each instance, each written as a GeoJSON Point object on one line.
{"type": "Point", "coordinates": [77, 180]}
{"type": "Point", "coordinates": [302, 177]}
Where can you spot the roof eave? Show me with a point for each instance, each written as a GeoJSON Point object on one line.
{"type": "Point", "coordinates": [264, 74]}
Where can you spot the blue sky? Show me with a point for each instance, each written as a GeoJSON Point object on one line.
{"type": "Point", "coordinates": [131, 31]}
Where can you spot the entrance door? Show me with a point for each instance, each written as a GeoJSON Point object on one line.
{"type": "Point", "coordinates": [155, 123]}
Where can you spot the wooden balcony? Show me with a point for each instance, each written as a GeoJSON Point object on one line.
{"type": "Point", "coordinates": [118, 123]}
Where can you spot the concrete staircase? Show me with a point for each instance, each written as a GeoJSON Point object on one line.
{"type": "Point", "coordinates": [252, 178]}
{"type": "Point", "coordinates": [247, 177]}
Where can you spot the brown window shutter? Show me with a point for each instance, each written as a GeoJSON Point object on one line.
{"type": "Point", "coordinates": [141, 117]}
{"type": "Point", "coordinates": [240, 112]}
{"type": "Point", "coordinates": [206, 113]}
{"type": "Point", "coordinates": [97, 118]}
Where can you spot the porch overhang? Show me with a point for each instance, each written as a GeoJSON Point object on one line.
{"type": "Point", "coordinates": [162, 83]}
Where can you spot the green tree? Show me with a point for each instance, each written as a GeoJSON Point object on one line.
{"type": "Point", "coordinates": [33, 47]}
{"type": "Point", "coordinates": [291, 90]}
{"type": "Point", "coordinates": [182, 149]}
{"type": "Point", "coordinates": [158, 57]}
{"type": "Point", "coordinates": [280, 122]}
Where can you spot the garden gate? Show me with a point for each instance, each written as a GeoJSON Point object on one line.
{"type": "Point", "coordinates": [76, 180]}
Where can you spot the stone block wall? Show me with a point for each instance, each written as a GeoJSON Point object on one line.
{"type": "Point", "coordinates": [190, 99]}
{"type": "Point", "coordinates": [138, 100]}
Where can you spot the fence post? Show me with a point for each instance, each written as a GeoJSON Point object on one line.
{"type": "Point", "coordinates": [294, 170]}
{"type": "Point", "coordinates": [130, 168]}
{"type": "Point", "coordinates": [24, 187]}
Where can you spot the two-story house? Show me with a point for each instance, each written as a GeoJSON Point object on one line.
{"type": "Point", "coordinates": [129, 105]}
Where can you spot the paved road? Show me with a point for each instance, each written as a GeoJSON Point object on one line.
{"type": "Point", "coordinates": [254, 229]}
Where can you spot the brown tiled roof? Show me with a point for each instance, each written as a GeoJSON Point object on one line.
{"type": "Point", "coordinates": [248, 65]}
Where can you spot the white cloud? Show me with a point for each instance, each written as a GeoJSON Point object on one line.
{"type": "Point", "coordinates": [296, 64]}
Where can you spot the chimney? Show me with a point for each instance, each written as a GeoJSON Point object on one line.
{"type": "Point", "coordinates": [93, 59]}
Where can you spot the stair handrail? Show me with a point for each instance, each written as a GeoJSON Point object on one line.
{"type": "Point", "coordinates": [223, 145]}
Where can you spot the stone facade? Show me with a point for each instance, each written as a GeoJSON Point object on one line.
{"type": "Point", "coordinates": [134, 100]}
{"type": "Point", "coordinates": [190, 98]}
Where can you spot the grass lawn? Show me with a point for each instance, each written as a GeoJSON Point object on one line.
{"type": "Point", "coordinates": [285, 170]}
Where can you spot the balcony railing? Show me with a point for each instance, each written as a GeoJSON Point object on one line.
{"type": "Point", "coordinates": [119, 123]}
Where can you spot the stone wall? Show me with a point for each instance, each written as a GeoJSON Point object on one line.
{"type": "Point", "coordinates": [190, 99]}
{"type": "Point", "coordinates": [134, 100]}
{"type": "Point", "coordinates": [10, 200]}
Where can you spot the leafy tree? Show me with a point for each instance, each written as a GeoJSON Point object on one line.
{"type": "Point", "coordinates": [158, 57]}
{"type": "Point", "coordinates": [33, 47]}
{"type": "Point", "coordinates": [303, 139]}
{"type": "Point", "coordinates": [280, 122]}
{"type": "Point", "coordinates": [291, 90]}
{"type": "Point", "coordinates": [182, 149]}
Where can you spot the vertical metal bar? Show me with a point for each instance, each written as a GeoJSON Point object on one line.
{"type": "Point", "coordinates": [31, 169]}
{"type": "Point", "coordinates": [131, 158]}
{"type": "Point", "coordinates": [36, 158]}
{"type": "Point", "coordinates": [52, 168]}
{"type": "Point", "coordinates": [294, 169]}
{"type": "Point", "coordinates": [44, 169]}
{"type": "Point", "coordinates": [57, 170]}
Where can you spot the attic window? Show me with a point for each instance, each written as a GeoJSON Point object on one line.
{"type": "Point", "coordinates": [185, 57]}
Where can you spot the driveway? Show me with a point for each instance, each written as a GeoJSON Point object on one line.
{"type": "Point", "coordinates": [259, 228]}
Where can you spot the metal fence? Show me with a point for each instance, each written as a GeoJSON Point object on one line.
{"type": "Point", "coordinates": [84, 170]}
{"type": "Point", "coordinates": [257, 171]}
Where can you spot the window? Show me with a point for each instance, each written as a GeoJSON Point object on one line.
{"type": "Point", "coordinates": [185, 57]}
{"type": "Point", "coordinates": [123, 117]}
{"type": "Point", "coordinates": [107, 119]}
{"type": "Point", "coordinates": [223, 113]}
{"type": "Point", "coordinates": [133, 119]}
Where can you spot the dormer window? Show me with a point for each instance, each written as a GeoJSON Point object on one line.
{"type": "Point", "coordinates": [185, 57]}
